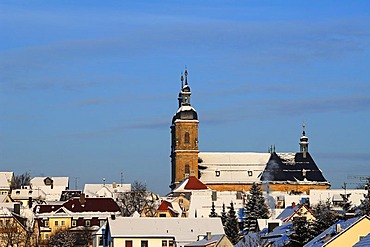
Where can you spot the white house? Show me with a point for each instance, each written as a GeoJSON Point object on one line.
{"type": "Point", "coordinates": [166, 232]}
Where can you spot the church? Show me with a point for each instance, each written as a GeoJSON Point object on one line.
{"type": "Point", "coordinates": [294, 172]}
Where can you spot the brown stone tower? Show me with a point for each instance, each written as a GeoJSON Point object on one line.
{"type": "Point", "coordinates": [184, 137]}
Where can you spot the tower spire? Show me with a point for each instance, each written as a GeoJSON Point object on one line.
{"type": "Point", "coordinates": [303, 141]}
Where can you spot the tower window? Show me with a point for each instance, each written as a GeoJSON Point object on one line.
{"type": "Point", "coordinates": [187, 138]}
{"type": "Point", "coordinates": [187, 170]}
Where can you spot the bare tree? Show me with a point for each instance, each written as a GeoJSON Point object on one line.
{"type": "Point", "coordinates": [63, 238]}
{"type": "Point", "coordinates": [12, 233]}
{"type": "Point", "coordinates": [21, 180]}
{"type": "Point", "coordinates": [136, 199]}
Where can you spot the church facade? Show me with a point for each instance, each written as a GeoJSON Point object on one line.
{"type": "Point", "coordinates": [236, 171]}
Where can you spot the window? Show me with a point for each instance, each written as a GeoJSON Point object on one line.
{"type": "Point", "coordinates": [100, 241]}
{"type": "Point", "coordinates": [187, 138]}
{"type": "Point", "coordinates": [46, 223]}
{"type": "Point", "coordinates": [218, 173]}
{"type": "Point", "coordinates": [87, 222]}
{"type": "Point", "coordinates": [144, 243]}
{"type": "Point", "coordinates": [162, 215]}
{"type": "Point", "coordinates": [170, 243]}
{"type": "Point", "coordinates": [46, 236]}
{"type": "Point", "coordinates": [101, 222]}
{"type": "Point", "coordinates": [74, 222]}
{"type": "Point", "coordinates": [1, 222]}
{"type": "Point", "coordinates": [187, 170]}
{"type": "Point", "coordinates": [62, 223]}
{"type": "Point", "coordinates": [56, 223]}
{"type": "Point", "coordinates": [17, 192]}
{"type": "Point", "coordinates": [164, 243]}
{"type": "Point", "coordinates": [250, 173]}
{"type": "Point", "coordinates": [128, 243]}
{"type": "Point", "coordinates": [30, 192]}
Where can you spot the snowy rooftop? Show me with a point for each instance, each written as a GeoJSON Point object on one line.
{"type": "Point", "coordinates": [57, 181]}
{"type": "Point", "coordinates": [184, 230]}
{"type": "Point", "coordinates": [238, 159]}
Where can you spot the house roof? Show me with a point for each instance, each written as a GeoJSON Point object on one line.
{"type": "Point", "coordinates": [322, 238]}
{"type": "Point", "coordinates": [243, 167]}
{"type": "Point", "coordinates": [292, 167]}
{"type": "Point", "coordinates": [74, 205]}
{"type": "Point", "coordinates": [96, 190]}
{"type": "Point", "coordinates": [288, 212]}
{"type": "Point", "coordinates": [189, 184]}
{"type": "Point", "coordinates": [57, 181]}
{"type": "Point", "coordinates": [184, 230]}
{"type": "Point", "coordinates": [206, 242]}
{"type": "Point", "coordinates": [4, 183]}
{"type": "Point", "coordinates": [365, 242]}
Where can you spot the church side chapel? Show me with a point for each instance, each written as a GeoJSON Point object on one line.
{"type": "Point", "coordinates": [294, 172]}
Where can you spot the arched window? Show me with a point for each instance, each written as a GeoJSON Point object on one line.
{"type": "Point", "coordinates": [187, 169]}
{"type": "Point", "coordinates": [187, 138]}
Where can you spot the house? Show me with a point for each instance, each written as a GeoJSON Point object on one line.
{"type": "Point", "coordinates": [5, 199]}
{"type": "Point", "coordinates": [76, 214]}
{"type": "Point", "coordinates": [336, 196]}
{"type": "Point", "coordinates": [167, 209]}
{"type": "Point", "coordinates": [4, 183]}
{"type": "Point", "coordinates": [169, 232]}
{"type": "Point", "coordinates": [210, 240]}
{"type": "Point", "coordinates": [15, 229]}
{"type": "Point", "coordinates": [343, 233]}
{"type": "Point", "coordinates": [300, 210]}
{"type": "Point", "coordinates": [27, 196]}
{"type": "Point", "coordinates": [52, 187]}
{"type": "Point", "coordinates": [106, 190]}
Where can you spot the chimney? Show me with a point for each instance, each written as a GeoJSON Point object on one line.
{"type": "Point", "coordinates": [338, 228]}
{"type": "Point", "coordinates": [208, 235]}
{"type": "Point", "coordinates": [17, 208]}
{"type": "Point", "coordinates": [82, 199]}
{"type": "Point", "coordinates": [29, 202]}
{"type": "Point", "coordinates": [114, 185]}
{"type": "Point", "coordinates": [113, 216]}
{"type": "Point", "coordinates": [293, 204]}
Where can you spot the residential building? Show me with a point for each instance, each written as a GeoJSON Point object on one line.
{"type": "Point", "coordinates": [52, 187]}
{"type": "Point", "coordinates": [76, 214]}
{"type": "Point", "coordinates": [343, 233]}
{"type": "Point", "coordinates": [106, 190]}
{"type": "Point", "coordinates": [167, 232]}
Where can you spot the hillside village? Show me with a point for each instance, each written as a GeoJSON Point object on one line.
{"type": "Point", "coordinates": [216, 199]}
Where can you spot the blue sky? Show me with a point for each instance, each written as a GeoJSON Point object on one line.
{"type": "Point", "coordinates": [88, 88]}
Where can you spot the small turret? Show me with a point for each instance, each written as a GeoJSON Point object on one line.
{"type": "Point", "coordinates": [303, 142]}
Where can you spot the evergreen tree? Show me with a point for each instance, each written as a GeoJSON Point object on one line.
{"type": "Point", "coordinates": [325, 216]}
{"type": "Point", "coordinates": [255, 208]}
{"type": "Point", "coordinates": [213, 211]}
{"type": "Point", "coordinates": [364, 207]}
{"type": "Point", "coordinates": [302, 232]}
{"type": "Point", "coordinates": [223, 215]}
{"type": "Point", "coordinates": [231, 226]}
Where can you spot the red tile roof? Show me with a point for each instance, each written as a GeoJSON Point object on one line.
{"type": "Point", "coordinates": [194, 184]}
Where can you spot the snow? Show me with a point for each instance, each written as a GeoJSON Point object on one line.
{"type": "Point", "coordinates": [288, 158]}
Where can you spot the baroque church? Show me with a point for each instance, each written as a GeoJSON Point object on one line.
{"type": "Point", "coordinates": [236, 171]}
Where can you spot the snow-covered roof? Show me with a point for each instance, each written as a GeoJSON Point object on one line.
{"type": "Point", "coordinates": [214, 239]}
{"type": "Point", "coordinates": [23, 194]}
{"type": "Point", "coordinates": [57, 181]}
{"type": "Point", "coordinates": [105, 190]}
{"type": "Point", "coordinates": [184, 230]}
{"type": "Point", "coordinates": [232, 167]}
{"type": "Point", "coordinates": [364, 242]}
{"type": "Point", "coordinates": [8, 175]}
{"type": "Point", "coordinates": [4, 183]}
{"type": "Point", "coordinates": [322, 238]}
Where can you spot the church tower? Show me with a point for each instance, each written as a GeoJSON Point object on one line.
{"type": "Point", "coordinates": [184, 137]}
